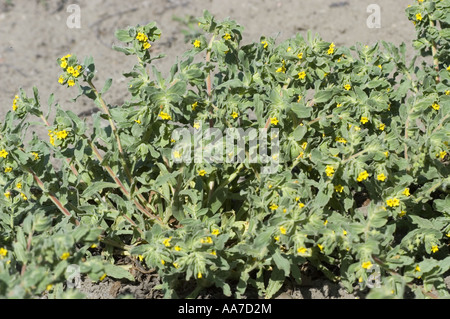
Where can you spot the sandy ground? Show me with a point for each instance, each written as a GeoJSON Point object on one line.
{"type": "Point", "coordinates": [34, 33]}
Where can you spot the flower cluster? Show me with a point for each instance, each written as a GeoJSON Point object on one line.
{"type": "Point", "coordinates": [16, 99]}
{"type": "Point", "coordinates": [72, 70]}
{"type": "Point", "coordinates": [143, 39]}
{"type": "Point", "coordinates": [60, 135]}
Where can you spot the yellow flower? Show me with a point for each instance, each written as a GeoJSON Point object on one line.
{"type": "Point", "coordinates": [141, 37]}
{"type": "Point", "coordinates": [341, 140]}
{"type": "Point", "coordinates": [329, 171]}
{"type": "Point", "coordinates": [213, 253]}
{"type": "Point", "coordinates": [19, 185]}
{"type": "Point", "coordinates": [367, 265]}
{"type": "Point", "coordinates": [325, 222]}
{"type": "Point", "coordinates": [166, 242]}
{"type": "Point", "coordinates": [197, 43]}
{"type": "Point", "coordinates": [15, 103]}
{"type": "Point", "coordinates": [76, 73]}
{"type": "Point", "coordinates": [304, 145]}
{"type": "Point", "coordinates": [8, 169]}
{"type": "Point", "coordinates": [36, 155]}
{"type": "Point", "coordinates": [102, 277]}
{"type": "Point", "coordinates": [417, 268]}
{"type": "Point", "coordinates": [393, 202]}
{"type": "Point", "coordinates": [199, 275]}
{"type": "Point", "coordinates": [339, 188]}
{"type": "Point", "coordinates": [194, 106]}
{"type": "Point", "coordinates": [331, 49]}
{"type": "Point", "coordinates": [177, 248]}
{"type": "Point", "coordinates": [386, 154]}
{"type": "Point", "coordinates": [406, 192]}
{"type": "Point", "coordinates": [234, 115]}
{"type": "Point", "coordinates": [382, 126]}
{"type": "Point", "coordinates": [71, 83]}
{"type": "Point", "coordinates": [146, 46]}
{"type": "Point", "coordinates": [266, 44]}
{"type": "Point", "coordinates": [207, 240]}
{"type": "Point", "coordinates": [442, 154]}
{"type": "Point", "coordinates": [344, 232]}
{"type": "Point", "coordinates": [202, 172]}
{"type": "Point", "coordinates": [61, 135]}
{"type": "Point", "coordinates": [61, 80]}
{"type": "Point", "coordinates": [320, 247]}
{"type": "Point", "coordinates": [362, 176]}
{"type": "Point", "coordinates": [364, 120]}
{"type": "Point", "coordinates": [273, 207]}
{"type": "Point", "coordinates": [419, 16]}
{"type": "Point", "coordinates": [300, 55]}
{"type": "Point", "coordinates": [3, 252]}
{"type": "Point", "coordinates": [274, 121]}
{"type": "Point", "coordinates": [301, 205]}
{"type": "Point", "coordinates": [402, 213]}
{"type": "Point", "coordinates": [434, 248]}
{"type": "Point", "coordinates": [138, 121]}
{"type": "Point", "coordinates": [63, 64]}
{"type": "Point", "coordinates": [70, 70]}
{"type": "Point", "coordinates": [381, 177]}
{"type": "Point", "coordinates": [3, 153]}
{"type": "Point", "coordinates": [281, 69]}
{"type": "Point", "coordinates": [301, 75]}
{"type": "Point", "coordinates": [65, 255]}
{"type": "Point", "coordinates": [277, 238]}
{"type": "Point", "coordinates": [176, 154]}
{"type": "Point", "coordinates": [283, 230]}
{"type": "Point", "coordinates": [289, 49]}
{"type": "Point", "coordinates": [338, 105]}
{"type": "Point", "coordinates": [436, 106]}
{"type": "Point", "coordinates": [302, 250]}
{"type": "Point", "coordinates": [347, 87]}
{"type": "Point", "coordinates": [448, 91]}
{"type": "Point", "coordinates": [163, 262]}
{"type": "Point", "coordinates": [7, 194]}
{"type": "Point", "coordinates": [227, 36]}
{"type": "Point", "coordinates": [165, 116]}
{"type": "Point", "coordinates": [215, 232]}
{"type": "Point", "coordinates": [448, 69]}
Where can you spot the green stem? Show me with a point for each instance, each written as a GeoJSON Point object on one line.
{"type": "Point", "coordinates": [119, 144]}
{"type": "Point", "coordinates": [434, 52]}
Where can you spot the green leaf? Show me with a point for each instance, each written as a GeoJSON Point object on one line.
{"type": "Point", "coordinates": [118, 272]}
{"type": "Point", "coordinates": [301, 110]}
{"type": "Point", "coordinates": [299, 132]}
{"type": "Point", "coordinates": [106, 87]}
{"type": "Point", "coordinates": [123, 36]}
{"type": "Point", "coordinates": [97, 187]}
{"type": "Point", "coordinates": [281, 262]}
{"type": "Point", "coordinates": [276, 281]}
